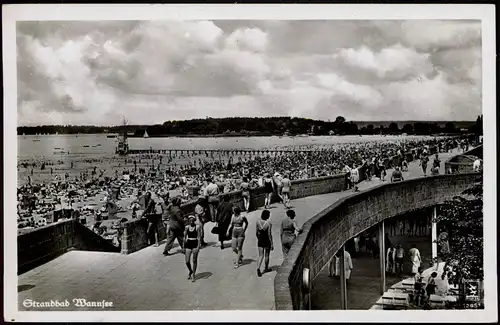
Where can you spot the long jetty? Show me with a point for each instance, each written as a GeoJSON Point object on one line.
{"type": "Point", "coordinates": [208, 151]}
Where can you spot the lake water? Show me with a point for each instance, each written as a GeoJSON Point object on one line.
{"type": "Point", "coordinates": [50, 146]}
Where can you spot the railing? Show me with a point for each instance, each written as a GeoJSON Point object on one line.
{"type": "Point", "coordinates": [324, 234]}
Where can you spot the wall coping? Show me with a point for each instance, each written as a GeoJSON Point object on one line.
{"type": "Point", "coordinates": [281, 281]}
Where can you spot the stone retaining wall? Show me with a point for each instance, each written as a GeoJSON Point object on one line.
{"type": "Point", "coordinates": [325, 233]}
{"type": "Point", "coordinates": [46, 243]}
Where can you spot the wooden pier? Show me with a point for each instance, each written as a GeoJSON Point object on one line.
{"type": "Point", "coordinates": [214, 151]}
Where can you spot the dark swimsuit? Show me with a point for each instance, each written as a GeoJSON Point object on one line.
{"type": "Point", "coordinates": [192, 238]}
{"type": "Point", "coordinates": [263, 239]}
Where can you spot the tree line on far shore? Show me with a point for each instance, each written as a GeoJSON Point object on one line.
{"type": "Point", "coordinates": [264, 126]}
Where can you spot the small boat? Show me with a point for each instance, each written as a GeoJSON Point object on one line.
{"type": "Point", "coordinates": [36, 140]}
{"type": "Point", "coordinates": [146, 135]}
{"type": "Point", "coordinates": [111, 136]}
{"type": "Point", "coordinates": [57, 148]}
{"type": "Point", "coordinates": [86, 146]}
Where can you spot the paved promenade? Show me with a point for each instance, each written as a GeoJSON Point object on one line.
{"type": "Point", "coordinates": [146, 280]}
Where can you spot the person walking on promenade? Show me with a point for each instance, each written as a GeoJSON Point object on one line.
{"type": "Point", "coordinates": [397, 175]}
{"type": "Point", "coordinates": [192, 245]}
{"type": "Point", "coordinates": [150, 215]}
{"type": "Point", "coordinates": [175, 226]}
{"type": "Point", "coordinates": [201, 217]}
{"type": "Point", "coordinates": [415, 259]}
{"type": "Point", "coordinates": [278, 185]}
{"type": "Point", "coordinates": [355, 177]}
{"type": "Point", "coordinates": [239, 225]}
{"type": "Point", "coordinates": [381, 169]}
{"type": "Point", "coordinates": [347, 171]}
{"type": "Point", "coordinates": [245, 193]}
{"type": "Point", "coordinates": [264, 241]}
{"type": "Point", "coordinates": [437, 162]}
{"type": "Point", "coordinates": [424, 159]}
{"type": "Point", "coordinates": [286, 189]}
{"type": "Point", "coordinates": [211, 193]}
{"type": "Point", "coordinates": [224, 214]}
{"type": "Point", "coordinates": [288, 231]}
{"type": "Point", "coordinates": [269, 189]}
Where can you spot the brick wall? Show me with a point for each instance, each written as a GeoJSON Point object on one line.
{"type": "Point", "coordinates": [46, 243]}
{"type": "Point", "coordinates": [326, 232]}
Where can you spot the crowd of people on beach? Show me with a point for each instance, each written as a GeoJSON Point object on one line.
{"type": "Point", "coordinates": [104, 200]}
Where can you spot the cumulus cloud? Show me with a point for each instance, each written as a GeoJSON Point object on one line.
{"type": "Point", "coordinates": [152, 71]}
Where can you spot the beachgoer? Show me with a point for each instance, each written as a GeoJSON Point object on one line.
{"type": "Point", "coordinates": [212, 192]}
{"type": "Point", "coordinates": [347, 265]}
{"type": "Point", "coordinates": [239, 225]}
{"type": "Point", "coordinates": [269, 189]}
{"type": "Point", "coordinates": [245, 193]}
{"type": "Point", "coordinates": [201, 217]}
{"type": "Point", "coordinates": [192, 244]}
{"type": "Point", "coordinates": [288, 231]}
{"type": "Point", "coordinates": [400, 254]}
{"type": "Point", "coordinates": [424, 159]}
{"type": "Point", "coordinates": [397, 175]}
{"type": "Point", "coordinates": [390, 258]}
{"type": "Point", "coordinates": [224, 214]}
{"type": "Point", "coordinates": [264, 241]}
{"type": "Point", "coordinates": [415, 259]}
{"type": "Point", "coordinates": [285, 190]}
{"type": "Point", "coordinates": [152, 217]}
{"type": "Point", "coordinates": [175, 226]}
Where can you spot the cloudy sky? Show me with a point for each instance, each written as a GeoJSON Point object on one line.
{"type": "Point", "coordinates": [153, 71]}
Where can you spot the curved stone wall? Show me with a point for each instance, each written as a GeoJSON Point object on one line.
{"type": "Point", "coordinates": [325, 233]}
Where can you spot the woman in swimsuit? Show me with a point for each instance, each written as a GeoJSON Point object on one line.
{"type": "Point", "coordinates": [286, 189]}
{"type": "Point", "coordinates": [239, 224]}
{"type": "Point", "coordinates": [264, 240]}
{"type": "Point", "coordinates": [269, 189]}
{"type": "Point", "coordinates": [288, 229]}
{"type": "Point", "coordinates": [245, 193]}
{"type": "Point", "coordinates": [192, 244]}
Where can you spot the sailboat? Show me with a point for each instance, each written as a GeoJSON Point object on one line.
{"type": "Point", "coordinates": [146, 135]}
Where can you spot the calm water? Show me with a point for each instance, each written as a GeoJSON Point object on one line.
{"type": "Point", "coordinates": [50, 146]}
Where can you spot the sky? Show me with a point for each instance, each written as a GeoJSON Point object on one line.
{"type": "Point", "coordinates": [97, 72]}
